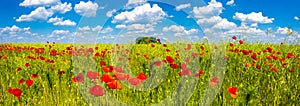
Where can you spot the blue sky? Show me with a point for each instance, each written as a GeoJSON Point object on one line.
{"type": "Point", "coordinates": [109, 21]}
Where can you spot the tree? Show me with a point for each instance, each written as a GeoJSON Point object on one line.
{"type": "Point", "coordinates": [146, 40]}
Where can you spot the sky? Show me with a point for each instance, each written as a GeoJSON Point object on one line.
{"type": "Point", "coordinates": [118, 21]}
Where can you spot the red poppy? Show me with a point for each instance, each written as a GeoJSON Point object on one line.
{"type": "Point", "coordinates": [165, 45]}
{"type": "Point", "coordinates": [289, 55]}
{"type": "Point", "coordinates": [254, 56]}
{"type": "Point", "coordinates": [19, 69]}
{"type": "Point", "coordinates": [53, 53]}
{"type": "Point", "coordinates": [34, 76]}
{"type": "Point", "coordinates": [233, 91]}
{"type": "Point", "coordinates": [183, 66]}
{"type": "Point", "coordinates": [214, 81]}
{"type": "Point", "coordinates": [241, 41]}
{"type": "Point", "coordinates": [174, 66]}
{"type": "Point", "coordinates": [92, 75]}
{"type": "Point", "coordinates": [118, 69]}
{"type": "Point", "coordinates": [234, 37]}
{"type": "Point", "coordinates": [107, 68]}
{"type": "Point", "coordinates": [158, 40]}
{"type": "Point", "coordinates": [102, 63]}
{"type": "Point", "coordinates": [29, 83]}
{"type": "Point", "coordinates": [21, 81]}
{"type": "Point", "coordinates": [142, 76]}
{"type": "Point", "coordinates": [121, 76]}
{"type": "Point", "coordinates": [61, 72]}
{"type": "Point", "coordinates": [78, 78]}
{"type": "Point", "coordinates": [114, 84]}
{"type": "Point", "coordinates": [199, 73]}
{"type": "Point", "coordinates": [269, 49]}
{"type": "Point", "coordinates": [27, 64]}
{"type": "Point", "coordinates": [185, 72]}
{"type": "Point", "coordinates": [152, 45]}
{"type": "Point", "coordinates": [292, 70]}
{"type": "Point", "coordinates": [274, 69]}
{"type": "Point", "coordinates": [258, 67]}
{"type": "Point", "coordinates": [202, 47]}
{"type": "Point", "coordinates": [97, 91]}
{"type": "Point", "coordinates": [135, 81]}
{"type": "Point", "coordinates": [231, 44]}
{"type": "Point", "coordinates": [106, 78]}
{"type": "Point", "coordinates": [168, 50]}
{"type": "Point", "coordinates": [16, 92]}
{"type": "Point", "coordinates": [169, 59]}
{"type": "Point", "coordinates": [157, 63]}
{"type": "Point", "coordinates": [187, 60]}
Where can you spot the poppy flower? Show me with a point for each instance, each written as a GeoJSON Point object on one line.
{"type": "Point", "coordinates": [19, 69]}
{"type": "Point", "coordinates": [292, 70]}
{"type": "Point", "coordinates": [92, 75]}
{"type": "Point", "coordinates": [169, 59]}
{"type": "Point", "coordinates": [142, 76]}
{"type": "Point", "coordinates": [157, 63]}
{"type": "Point", "coordinates": [106, 78]}
{"type": "Point", "coordinates": [78, 78]}
{"type": "Point", "coordinates": [53, 53]}
{"type": "Point", "coordinates": [34, 76]}
{"type": "Point", "coordinates": [97, 91]}
{"type": "Point", "coordinates": [29, 83]}
{"type": "Point", "coordinates": [165, 45]}
{"type": "Point", "coordinates": [152, 45]}
{"type": "Point", "coordinates": [274, 69]}
{"type": "Point", "coordinates": [121, 76]}
{"type": "Point", "coordinates": [214, 81]}
{"type": "Point", "coordinates": [234, 37]}
{"type": "Point", "coordinates": [102, 63]}
{"type": "Point", "coordinates": [16, 92]}
{"type": "Point", "coordinates": [233, 91]}
{"type": "Point", "coordinates": [289, 55]}
{"type": "Point", "coordinates": [118, 69]}
{"type": "Point", "coordinates": [241, 41]}
{"type": "Point", "coordinates": [21, 81]}
{"type": "Point", "coordinates": [107, 68]}
{"type": "Point", "coordinates": [187, 60]}
{"type": "Point", "coordinates": [135, 81]}
{"type": "Point", "coordinates": [258, 67]}
{"type": "Point", "coordinates": [61, 72]}
{"type": "Point", "coordinates": [158, 40]}
{"type": "Point", "coordinates": [174, 66]}
{"type": "Point", "coordinates": [27, 64]}
{"type": "Point", "coordinates": [202, 47]}
{"type": "Point", "coordinates": [168, 50]}
{"type": "Point", "coordinates": [114, 84]}
{"type": "Point", "coordinates": [231, 44]}
{"type": "Point", "coordinates": [199, 73]}
{"type": "Point", "coordinates": [185, 72]}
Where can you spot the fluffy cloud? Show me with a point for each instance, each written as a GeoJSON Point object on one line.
{"type": "Point", "coordinates": [87, 9]}
{"type": "Point", "coordinates": [13, 30]}
{"type": "Point", "coordinates": [106, 30]}
{"type": "Point", "coordinates": [60, 32]}
{"type": "Point", "coordinates": [40, 13]}
{"type": "Point", "coordinates": [231, 2]}
{"type": "Point", "coordinates": [143, 13]}
{"type": "Point", "coordinates": [253, 17]}
{"type": "Point", "coordinates": [85, 28]}
{"type": "Point", "coordinates": [225, 24]}
{"type": "Point", "coordinates": [182, 6]}
{"type": "Point", "coordinates": [27, 3]}
{"type": "Point", "coordinates": [179, 30]}
{"type": "Point", "coordinates": [60, 22]}
{"type": "Point", "coordinates": [120, 26]}
{"type": "Point", "coordinates": [283, 31]}
{"type": "Point", "coordinates": [62, 8]}
{"type": "Point", "coordinates": [134, 3]}
{"type": "Point", "coordinates": [111, 12]}
{"type": "Point", "coordinates": [213, 8]}
{"type": "Point", "coordinates": [296, 18]}
{"type": "Point", "coordinates": [246, 30]}
{"type": "Point", "coordinates": [97, 28]}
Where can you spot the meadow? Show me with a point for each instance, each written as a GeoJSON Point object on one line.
{"type": "Point", "coordinates": [232, 73]}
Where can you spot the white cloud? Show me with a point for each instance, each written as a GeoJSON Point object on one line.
{"type": "Point", "coordinates": [143, 13]}
{"type": "Point", "coordinates": [27, 3]}
{"type": "Point", "coordinates": [120, 26]}
{"type": "Point", "coordinates": [134, 3]}
{"type": "Point", "coordinates": [40, 13]}
{"type": "Point", "coordinates": [182, 6]}
{"type": "Point", "coordinates": [231, 2]}
{"type": "Point", "coordinates": [13, 30]}
{"type": "Point", "coordinates": [283, 31]}
{"type": "Point", "coordinates": [60, 22]}
{"type": "Point", "coordinates": [97, 28]}
{"type": "Point", "coordinates": [246, 30]}
{"type": "Point", "coordinates": [296, 18]}
{"type": "Point", "coordinates": [140, 28]}
{"type": "Point", "coordinates": [62, 8]}
{"type": "Point", "coordinates": [87, 9]}
{"type": "Point", "coordinates": [253, 17]}
{"type": "Point", "coordinates": [225, 24]}
{"type": "Point", "coordinates": [213, 8]}
{"type": "Point", "coordinates": [209, 21]}
{"type": "Point", "coordinates": [179, 30]}
{"type": "Point", "coordinates": [106, 30]}
{"type": "Point", "coordinates": [85, 28]}
{"type": "Point", "coordinates": [111, 12]}
{"type": "Point", "coordinates": [60, 32]}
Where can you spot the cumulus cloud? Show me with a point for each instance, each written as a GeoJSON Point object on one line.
{"type": "Point", "coordinates": [60, 32]}
{"type": "Point", "coordinates": [28, 3]}
{"type": "Point", "coordinates": [296, 18]}
{"type": "Point", "coordinates": [120, 26]}
{"type": "Point", "coordinates": [231, 2]}
{"type": "Point", "coordinates": [134, 3]}
{"type": "Point", "coordinates": [62, 7]}
{"type": "Point", "coordinates": [13, 30]}
{"type": "Point", "coordinates": [225, 24]}
{"type": "Point", "coordinates": [179, 30]}
{"type": "Point", "coordinates": [182, 6]}
{"type": "Point", "coordinates": [253, 17]}
{"type": "Point", "coordinates": [40, 13]}
{"type": "Point", "coordinates": [60, 22]}
{"type": "Point", "coordinates": [85, 28]}
{"type": "Point", "coordinates": [87, 9]}
{"type": "Point", "coordinates": [246, 30]}
{"type": "Point", "coordinates": [283, 30]}
{"type": "Point", "coordinates": [111, 12]}
{"type": "Point", "coordinates": [213, 8]}
{"type": "Point", "coordinates": [106, 30]}
{"type": "Point", "coordinates": [143, 13]}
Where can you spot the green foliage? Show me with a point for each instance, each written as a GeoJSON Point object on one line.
{"type": "Point", "coordinates": [146, 40]}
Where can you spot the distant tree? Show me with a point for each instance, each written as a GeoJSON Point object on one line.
{"type": "Point", "coordinates": [146, 40]}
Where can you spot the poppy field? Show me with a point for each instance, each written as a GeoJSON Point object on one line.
{"type": "Point", "coordinates": [150, 74]}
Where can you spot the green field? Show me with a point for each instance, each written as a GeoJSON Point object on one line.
{"type": "Point", "coordinates": [264, 74]}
